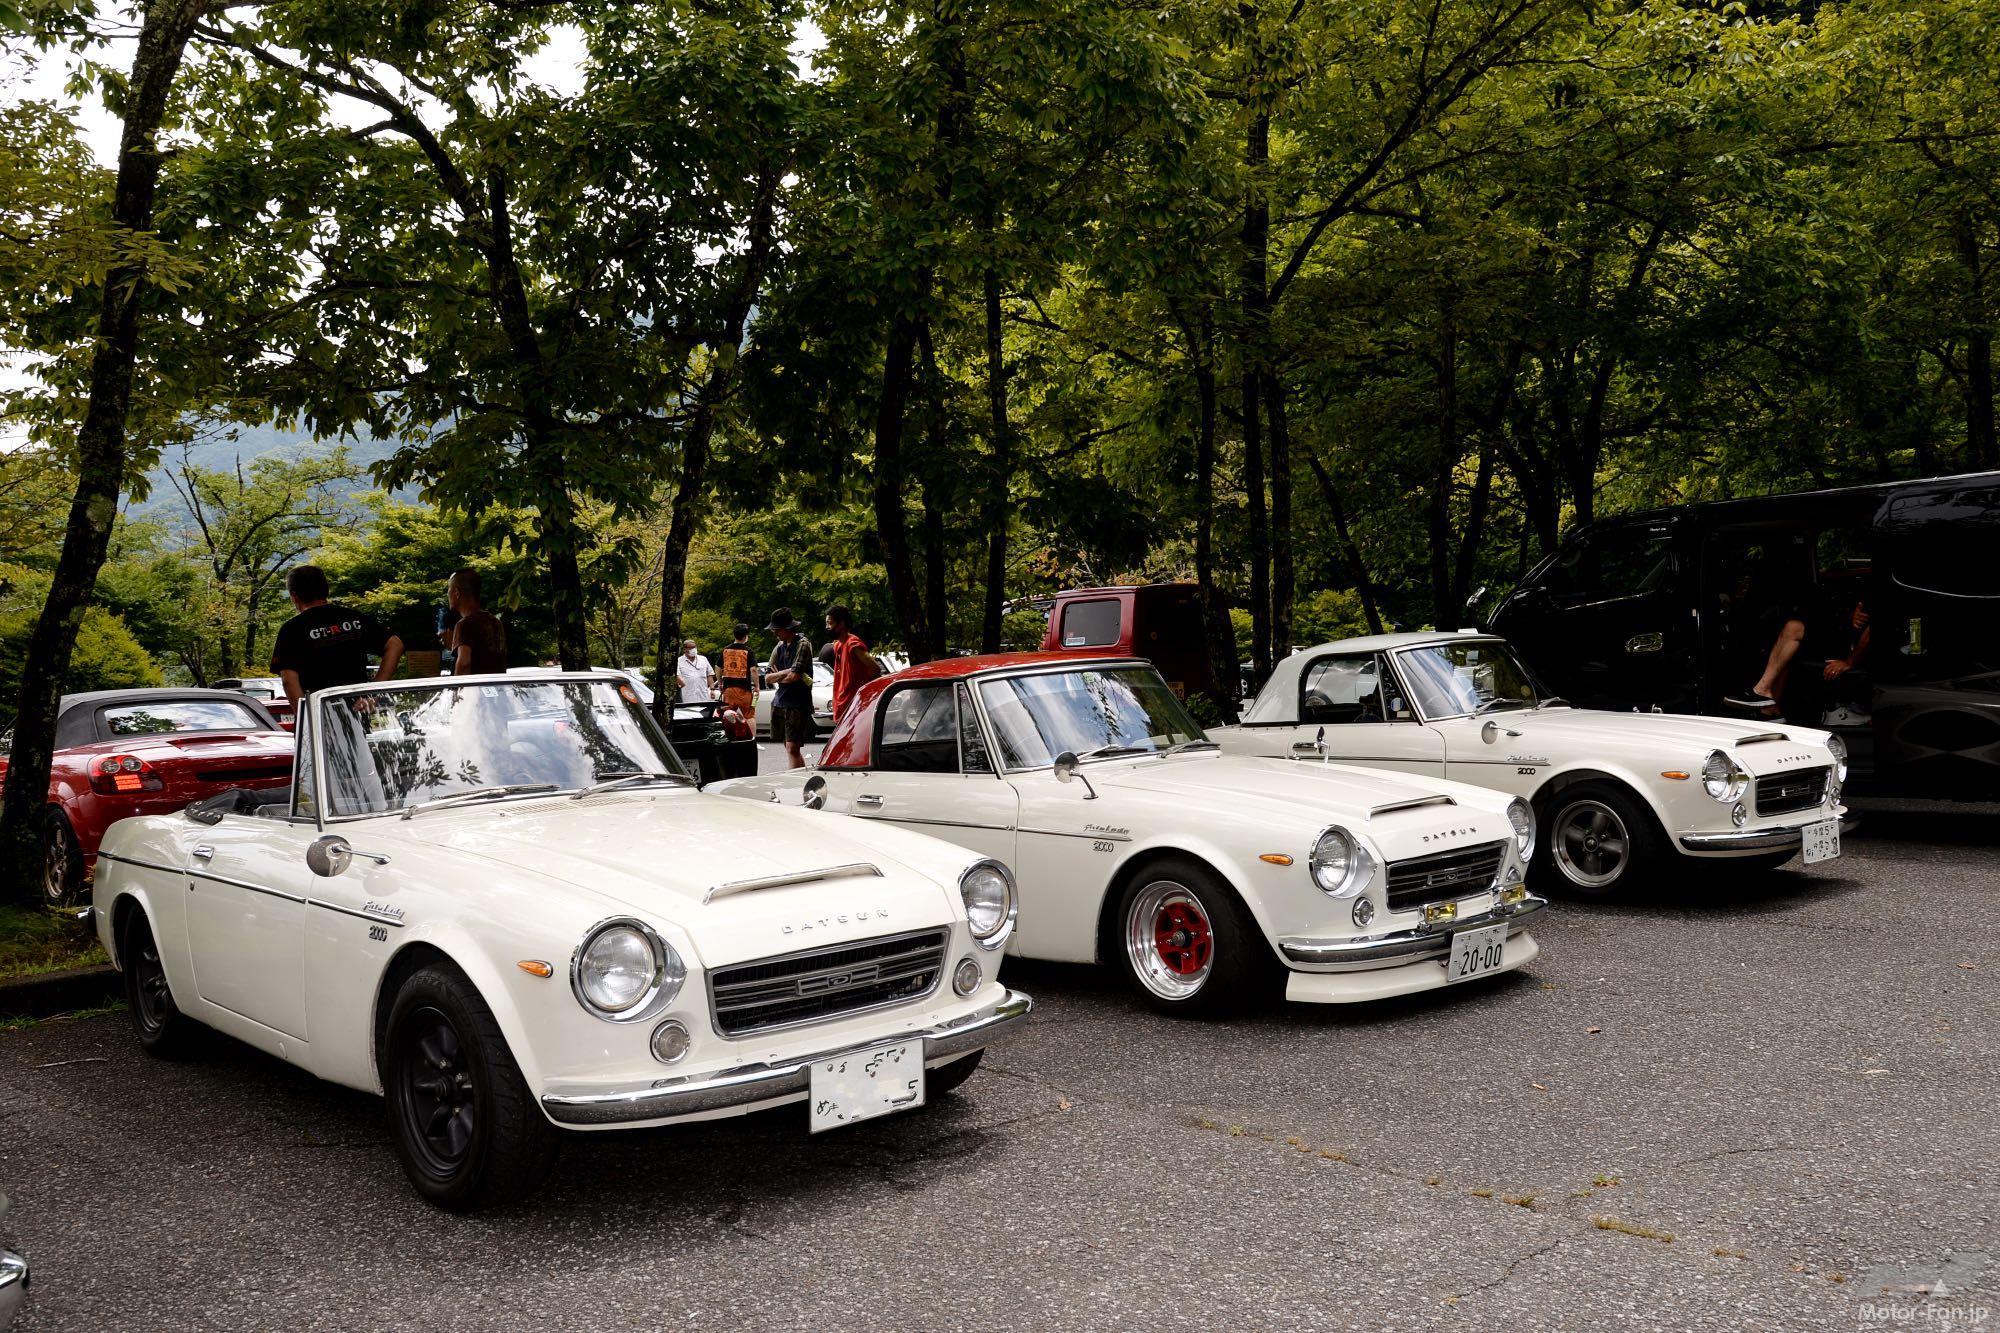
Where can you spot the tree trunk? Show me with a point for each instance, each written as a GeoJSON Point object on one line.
{"type": "Point", "coordinates": [1444, 464]}
{"type": "Point", "coordinates": [696, 446]}
{"type": "Point", "coordinates": [1282, 578]}
{"type": "Point", "coordinates": [1256, 315]}
{"type": "Point", "coordinates": [1980, 446]}
{"type": "Point", "coordinates": [100, 450]}
{"type": "Point", "coordinates": [935, 567]}
{"type": "Point", "coordinates": [1364, 587]}
{"type": "Point", "coordinates": [1003, 471]}
{"type": "Point", "coordinates": [891, 523]}
{"type": "Point", "coordinates": [1215, 616]}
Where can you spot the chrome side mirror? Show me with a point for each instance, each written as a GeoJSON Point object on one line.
{"type": "Point", "coordinates": [1493, 731]}
{"type": "Point", "coordinates": [329, 856]}
{"type": "Point", "coordinates": [815, 794]}
{"type": "Point", "coordinates": [1067, 769]}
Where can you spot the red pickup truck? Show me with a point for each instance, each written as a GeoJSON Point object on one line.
{"type": "Point", "coordinates": [1161, 622]}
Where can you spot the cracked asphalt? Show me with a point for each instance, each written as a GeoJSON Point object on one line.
{"type": "Point", "coordinates": [1728, 1106]}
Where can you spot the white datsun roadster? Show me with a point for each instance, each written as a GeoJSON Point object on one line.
{"type": "Point", "coordinates": [502, 902]}
{"type": "Point", "coordinates": [1618, 796]}
{"type": "Point", "coordinates": [1205, 877]}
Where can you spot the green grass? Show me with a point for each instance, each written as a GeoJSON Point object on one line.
{"type": "Point", "coordinates": [34, 940]}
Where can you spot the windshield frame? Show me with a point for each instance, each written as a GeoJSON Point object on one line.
{"type": "Point", "coordinates": [319, 699]}
{"type": "Point", "coordinates": [992, 733]}
{"type": "Point", "coordinates": [1403, 677]}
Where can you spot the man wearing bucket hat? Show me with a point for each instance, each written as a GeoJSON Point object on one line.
{"type": "Point", "coordinates": [791, 672]}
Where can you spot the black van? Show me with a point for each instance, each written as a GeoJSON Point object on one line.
{"type": "Point", "coordinates": [1677, 610]}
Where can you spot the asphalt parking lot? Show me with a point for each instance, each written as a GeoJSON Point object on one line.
{"type": "Point", "coordinates": [1725, 1107]}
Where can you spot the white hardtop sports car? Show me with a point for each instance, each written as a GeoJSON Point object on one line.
{"type": "Point", "coordinates": [1617, 796]}
{"type": "Point", "coordinates": [1203, 876]}
{"type": "Point", "coordinates": [502, 902]}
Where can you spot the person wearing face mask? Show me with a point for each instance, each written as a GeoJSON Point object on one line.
{"type": "Point", "coordinates": [696, 676]}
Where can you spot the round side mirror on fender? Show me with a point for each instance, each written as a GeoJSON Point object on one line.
{"type": "Point", "coordinates": [329, 856]}
{"type": "Point", "coordinates": [815, 794]}
{"type": "Point", "coordinates": [1065, 766]}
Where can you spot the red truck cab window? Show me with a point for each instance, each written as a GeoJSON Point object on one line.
{"type": "Point", "coordinates": [1091, 624]}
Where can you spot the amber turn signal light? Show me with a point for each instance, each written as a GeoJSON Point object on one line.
{"type": "Point", "coordinates": [1674, 774]}
{"type": "Point", "coordinates": [1276, 858]}
{"type": "Point", "coordinates": [536, 966]}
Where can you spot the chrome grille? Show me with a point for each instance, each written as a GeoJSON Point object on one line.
{"type": "Point", "coordinates": [1444, 875]}
{"type": "Point", "coordinates": [822, 984]}
{"type": "Point", "coordinates": [1783, 793]}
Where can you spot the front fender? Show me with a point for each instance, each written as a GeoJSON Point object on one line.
{"type": "Point", "coordinates": [1622, 774]}
{"type": "Point", "coordinates": [1264, 895]}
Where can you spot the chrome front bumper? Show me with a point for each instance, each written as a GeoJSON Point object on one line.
{"type": "Point", "coordinates": [746, 1085]}
{"type": "Point", "coordinates": [1757, 839]}
{"type": "Point", "coordinates": [13, 1286]}
{"type": "Point", "coordinates": [1356, 952]}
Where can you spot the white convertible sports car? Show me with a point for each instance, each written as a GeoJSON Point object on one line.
{"type": "Point", "coordinates": [502, 902]}
{"type": "Point", "coordinates": [1618, 796]}
{"type": "Point", "coordinates": [1206, 877]}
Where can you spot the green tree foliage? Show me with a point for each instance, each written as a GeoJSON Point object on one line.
{"type": "Point", "coordinates": [107, 656]}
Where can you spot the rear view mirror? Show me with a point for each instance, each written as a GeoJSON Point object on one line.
{"type": "Point", "coordinates": [329, 856]}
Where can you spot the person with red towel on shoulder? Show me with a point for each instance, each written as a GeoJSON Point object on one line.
{"type": "Point", "coordinates": [853, 665]}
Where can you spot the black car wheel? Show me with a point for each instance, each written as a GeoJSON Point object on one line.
{"type": "Point", "coordinates": [62, 861]}
{"type": "Point", "coordinates": [1597, 841]}
{"type": "Point", "coordinates": [163, 1030]}
{"type": "Point", "coordinates": [466, 1128]}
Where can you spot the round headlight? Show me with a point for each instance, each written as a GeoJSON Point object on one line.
{"type": "Point", "coordinates": [1721, 778]}
{"type": "Point", "coordinates": [1339, 865]}
{"type": "Point", "coordinates": [988, 891]}
{"type": "Point", "coordinates": [1839, 748]}
{"type": "Point", "coordinates": [623, 971]}
{"type": "Point", "coordinates": [1523, 820]}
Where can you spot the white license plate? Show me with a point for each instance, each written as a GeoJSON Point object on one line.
{"type": "Point", "coordinates": [861, 1085]}
{"type": "Point", "coordinates": [1474, 953]}
{"type": "Point", "coordinates": [1821, 841]}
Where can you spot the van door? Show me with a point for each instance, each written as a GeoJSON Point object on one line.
{"type": "Point", "coordinates": [1610, 622]}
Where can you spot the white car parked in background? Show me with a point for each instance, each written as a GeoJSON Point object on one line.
{"type": "Point", "coordinates": [1618, 796]}
{"type": "Point", "coordinates": [1205, 878]}
{"type": "Point", "coordinates": [541, 922]}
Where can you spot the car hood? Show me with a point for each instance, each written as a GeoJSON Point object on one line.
{"type": "Point", "coordinates": [1665, 737]}
{"type": "Point", "coordinates": [1403, 816]}
{"type": "Point", "coordinates": [658, 855]}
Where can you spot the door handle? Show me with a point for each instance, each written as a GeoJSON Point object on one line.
{"type": "Point", "coordinates": [203, 853]}
{"type": "Point", "coordinates": [868, 801]}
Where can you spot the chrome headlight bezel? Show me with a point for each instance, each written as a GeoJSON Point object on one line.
{"type": "Point", "coordinates": [1522, 816]}
{"type": "Point", "coordinates": [996, 935]}
{"type": "Point", "coordinates": [1838, 748]}
{"type": "Point", "coordinates": [669, 973]}
{"type": "Point", "coordinates": [1340, 866]}
{"type": "Point", "coordinates": [1723, 778]}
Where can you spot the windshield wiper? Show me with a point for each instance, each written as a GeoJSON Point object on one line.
{"type": "Point", "coordinates": [1552, 701]}
{"type": "Point", "coordinates": [617, 780]}
{"type": "Point", "coordinates": [1183, 746]}
{"type": "Point", "coordinates": [1492, 704]}
{"type": "Point", "coordinates": [1106, 751]}
{"type": "Point", "coordinates": [479, 794]}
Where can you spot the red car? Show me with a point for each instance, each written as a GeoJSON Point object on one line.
{"type": "Point", "coordinates": [146, 752]}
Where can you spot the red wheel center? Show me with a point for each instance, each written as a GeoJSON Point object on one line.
{"type": "Point", "coordinates": [1181, 934]}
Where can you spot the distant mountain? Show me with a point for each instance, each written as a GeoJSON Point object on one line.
{"type": "Point", "coordinates": [246, 444]}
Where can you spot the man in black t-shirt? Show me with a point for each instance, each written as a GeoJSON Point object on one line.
{"type": "Point", "coordinates": [326, 644]}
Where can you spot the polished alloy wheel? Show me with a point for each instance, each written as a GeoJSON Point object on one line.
{"type": "Point", "coordinates": [435, 1092]}
{"type": "Point", "coordinates": [154, 999]}
{"type": "Point", "coordinates": [1169, 940]}
{"type": "Point", "coordinates": [1590, 843]}
{"type": "Point", "coordinates": [57, 853]}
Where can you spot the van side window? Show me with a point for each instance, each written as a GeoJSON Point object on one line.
{"type": "Point", "coordinates": [1092, 624]}
{"type": "Point", "coordinates": [1610, 563]}
{"type": "Point", "coordinates": [919, 731]}
{"type": "Point", "coordinates": [1343, 689]}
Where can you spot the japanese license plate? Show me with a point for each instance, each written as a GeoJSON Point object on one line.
{"type": "Point", "coordinates": [861, 1085]}
{"type": "Point", "coordinates": [1821, 841]}
{"type": "Point", "coordinates": [1474, 953]}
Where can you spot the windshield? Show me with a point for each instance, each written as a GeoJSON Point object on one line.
{"type": "Point", "coordinates": [397, 747]}
{"type": "Point", "coordinates": [1114, 709]}
{"type": "Point", "coordinates": [1451, 679]}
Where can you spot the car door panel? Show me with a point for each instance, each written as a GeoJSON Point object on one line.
{"type": "Point", "coordinates": [1353, 710]}
{"type": "Point", "coordinates": [1066, 855]}
{"type": "Point", "coordinates": [246, 918]}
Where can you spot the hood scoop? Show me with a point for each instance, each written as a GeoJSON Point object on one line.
{"type": "Point", "coordinates": [1761, 737]}
{"type": "Point", "coordinates": [855, 870]}
{"type": "Point", "coordinates": [1416, 804]}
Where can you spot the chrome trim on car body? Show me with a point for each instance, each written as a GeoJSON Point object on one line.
{"type": "Point", "coordinates": [1366, 952]}
{"type": "Point", "coordinates": [1415, 803]}
{"type": "Point", "coordinates": [668, 965]}
{"type": "Point", "coordinates": [143, 865]}
{"type": "Point", "coordinates": [748, 1084]}
{"type": "Point", "coordinates": [266, 890]}
{"type": "Point", "coordinates": [1758, 839]}
{"type": "Point", "coordinates": [851, 870]}
{"type": "Point", "coordinates": [13, 1286]}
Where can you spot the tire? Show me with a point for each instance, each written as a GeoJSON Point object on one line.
{"type": "Point", "coordinates": [466, 1128]}
{"type": "Point", "coordinates": [164, 1032]}
{"type": "Point", "coordinates": [62, 861]}
{"type": "Point", "coordinates": [1598, 841]}
{"type": "Point", "coordinates": [946, 1078]}
{"type": "Point", "coordinates": [1187, 945]}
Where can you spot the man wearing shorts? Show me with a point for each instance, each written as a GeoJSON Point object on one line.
{"type": "Point", "coordinates": [791, 673]}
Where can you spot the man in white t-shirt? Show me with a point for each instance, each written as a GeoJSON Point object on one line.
{"type": "Point", "coordinates": [697, 677]}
